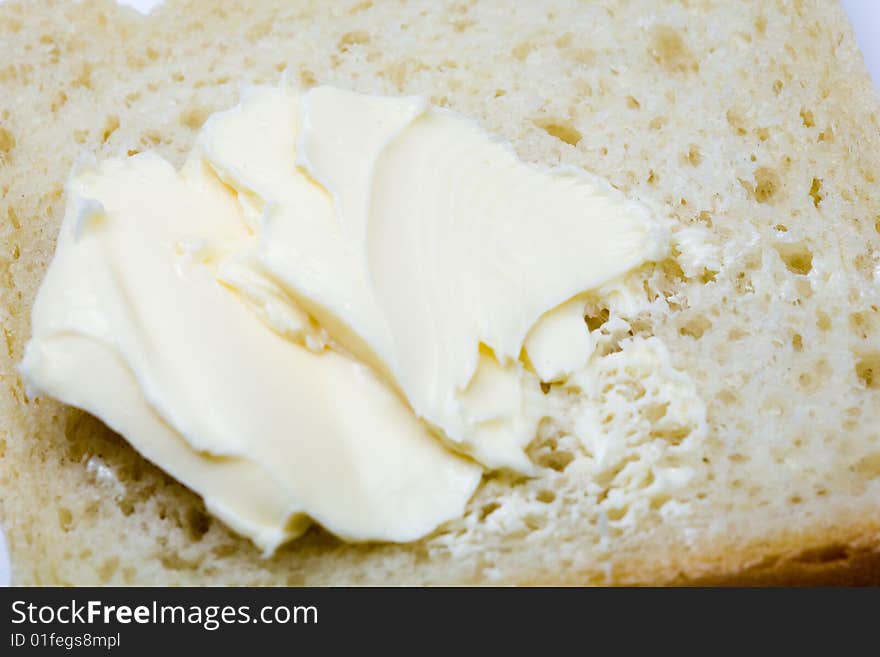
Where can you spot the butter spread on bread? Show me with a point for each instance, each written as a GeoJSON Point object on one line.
{"type": "Point", "coordinates": [342, 309]}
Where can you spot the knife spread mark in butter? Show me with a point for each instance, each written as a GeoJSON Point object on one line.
{"type": "Point", "coordinates": [340, 309]}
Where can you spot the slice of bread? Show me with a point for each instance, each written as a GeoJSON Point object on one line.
{"type": "Point", "coordinates": [753, 126]}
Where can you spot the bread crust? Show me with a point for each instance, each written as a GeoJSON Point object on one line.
{"type": "Point", "coordinates": [851, 559]}
{"type": "Point", "coordinates": [829, 566]}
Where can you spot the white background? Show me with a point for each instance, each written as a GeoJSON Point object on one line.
{"type": "Point", "coordinates": [865, 17]}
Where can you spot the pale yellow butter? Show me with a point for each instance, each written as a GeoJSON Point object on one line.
{"type": "Point", "coordinates": [414, 238]}
{"type": "Point", "coordinates": [326, 306]}
{"type": "Point", "coordinates": [558, 345]}
{"type": "Point", "coordinates": [132, 328]}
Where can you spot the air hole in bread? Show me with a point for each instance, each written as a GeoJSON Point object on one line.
{"type": "Point", "coordinates": [65, 518]}
{"type": "Point", "coordinates": [565, 40]}
{"type": "Point", "coordinates": [561, 129]}
{"type": "Point", "coordinates": [674, 436]}
{"type": "Point", "coordinates": [868, 465]}
{"type": "Point", "coordinates": [110, 126]}
{"type": "Point", "coordinates": [761, 25]}
{"type": "Point", "coordinates": [695, 327]}
{"type": "Point", "coordinates": [736, 121]}
{"type": "Point", "coordinates": [151, 138]}
{"type": "Point", "coordinates": [59, 99]}
{"type": "Point", "coordinates": [487, 509]}
{"type": "Point", "coordinates": [596, 318]}
{"type": "Point", "coordinates": [617, 514]}
{"type": "Point", "coordinates": [176, 562]}
{"type": "Point", "coordinates": [84, 77]}
{"type": "Point", "coordinates": [194, 117]}
{"type": "Point", "coordinates": [197, 523]}
{"type": "Point", "coordinates": [868, 369]}
{"type": "Point", "coordinates": [767, 184]}
{"type": "Point", "coordinates": [798, 258]}
{"type": "Point", "coordinates": [659, 501]}
{"type": "Point", "coordinates": [349, 39]}
{"type": "Point", "coordinates": [107, 569]}
{"type": "Point", "coordinates": [545, 496]}
{"type": "Point", "coordinates": [860, 324]}
{"type": "Point", "coordinates": [806, 381]}
{"type": "Point", "coordinates": [548, 454]}
{"type": "Point", "coordinates": [258, 31]}
{"type": "Point", "coordinates": [667, 48]}
{"type": "Point", "coordinates": [7, 141]}
{"type": "Point", "coordinates": [816, 192]}
{"type": "Point", "coordinates": [535, 521]}
{"type": "Point", "coordinates": [807, 118]}
{"type": "Point", "coordinates": [522, 50]}
{"type": "Point", "coordinates": [126, 506]}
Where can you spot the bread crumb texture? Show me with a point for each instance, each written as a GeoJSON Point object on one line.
{"type": "Point", "coordinates": [752, 127]}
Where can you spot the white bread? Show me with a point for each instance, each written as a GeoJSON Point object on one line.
{"type": "Point", "coordinates": [754, 127]}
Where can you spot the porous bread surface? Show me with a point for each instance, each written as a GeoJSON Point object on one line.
{"type": "Point", "coordinates": [752, 126]}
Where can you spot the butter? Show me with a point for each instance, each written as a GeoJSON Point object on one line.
{"type": "Point", "coordinates": [141, 333]}
{"type": "Point", "coordinates": [559, 345]}
{"type": "Point", "coordinates": [416, 239]}
{"type": "Point", "coordinates": [341, 309]}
